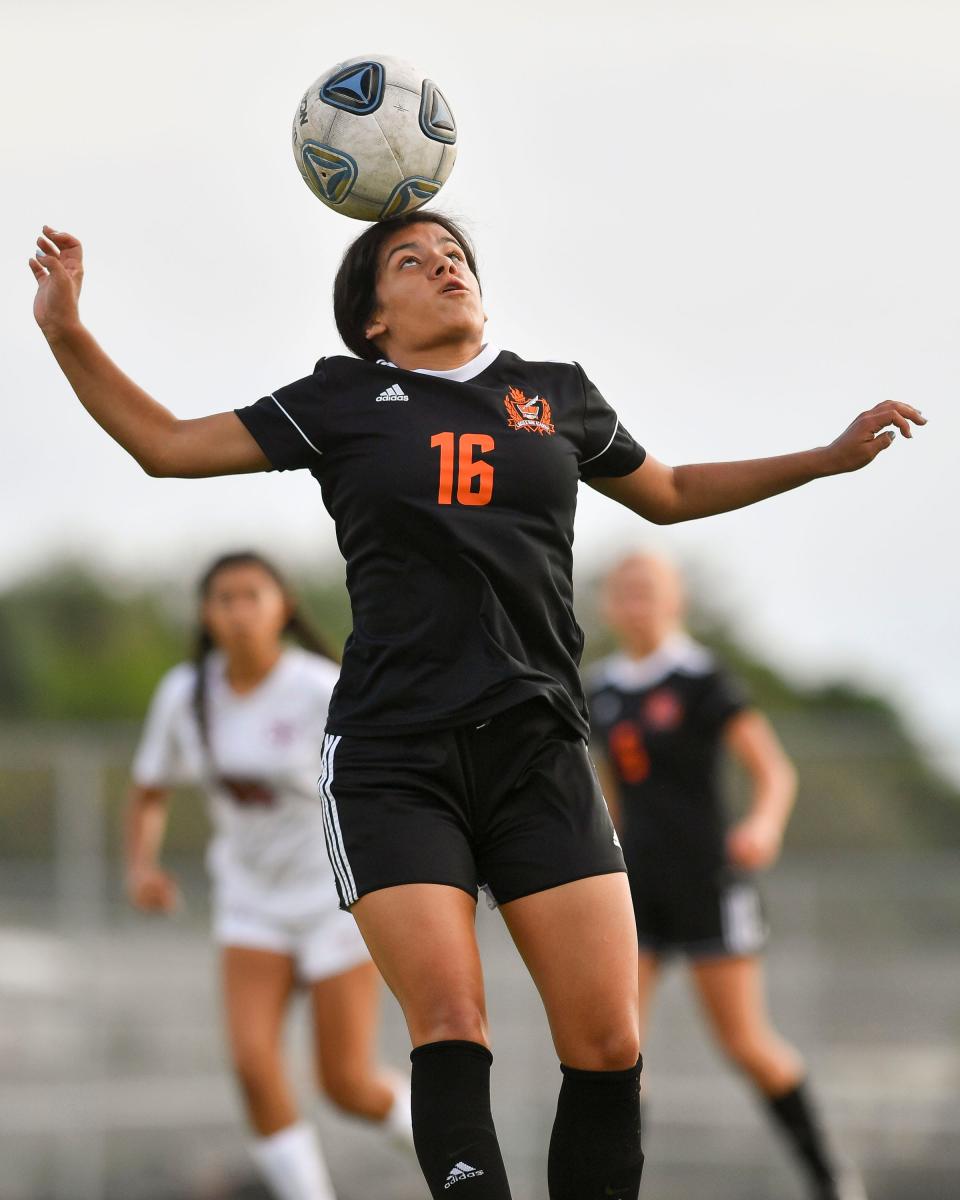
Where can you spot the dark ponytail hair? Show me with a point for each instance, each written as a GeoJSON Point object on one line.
{"type": "Point", "coordinates": [297, 627]}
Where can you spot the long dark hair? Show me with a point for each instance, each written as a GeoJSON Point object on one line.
{"type": "Point", "coordinates": [297, 628]}
{"type": "Point", "coordinates": [355, 287]}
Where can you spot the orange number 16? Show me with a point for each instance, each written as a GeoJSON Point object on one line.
{"type": "Point", "coordinates": [474, 476]}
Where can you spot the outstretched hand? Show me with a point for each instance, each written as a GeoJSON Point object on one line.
{"type": "Point", "coordinates": [58, 270]}
{"type": "Point", "coordinates": [153, 890]}
{"type": "Point", "coordinates": [862, 441]}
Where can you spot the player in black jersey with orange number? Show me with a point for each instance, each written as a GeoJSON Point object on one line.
{"type": "Point", "coordinates": [455, 753]}
{"type": "Point", "coordinates": [663, 713]}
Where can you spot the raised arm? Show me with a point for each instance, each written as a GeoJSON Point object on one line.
{"type": "Point", "coordinates": [666, 495]}
{"type": "Point", "coordinates": [161, 443]}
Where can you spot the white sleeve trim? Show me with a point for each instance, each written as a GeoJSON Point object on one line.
{"type": "Point", "coordinates": [294, 424]}
{"type": "Point", "coordinates": [584, 461]}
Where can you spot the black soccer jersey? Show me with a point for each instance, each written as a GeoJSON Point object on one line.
{"type": "Point", "coordinates": [659, 721]}
{"type": "Point", "coordinates": [453, 494]}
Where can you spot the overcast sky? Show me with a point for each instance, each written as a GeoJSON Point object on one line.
{"type": "Point", "coordinates": [740, 217]}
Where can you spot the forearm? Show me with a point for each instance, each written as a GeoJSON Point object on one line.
{"type": "Point", "coordinates": [116, 403]}
{"type": "Point", "coordinates": [705, 489]}
{"type": "Point", "coordinates": [773, 794]}
{"type": "Point", "coordinates": [144, 829]}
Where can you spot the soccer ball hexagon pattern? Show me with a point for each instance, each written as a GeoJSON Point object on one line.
{"type": "Point", "coordinates": [372, 138]}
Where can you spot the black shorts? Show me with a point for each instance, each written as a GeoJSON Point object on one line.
{"type": "Point", "coordinates": [512, 805]}
{"type": "Point", "coordinates": [702, 914]}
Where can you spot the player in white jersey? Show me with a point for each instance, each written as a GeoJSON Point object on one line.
{"type": "Point", "coordinates": [245, 720]}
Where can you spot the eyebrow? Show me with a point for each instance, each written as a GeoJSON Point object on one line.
{"type": "Point", "coordinates": [416, 246]}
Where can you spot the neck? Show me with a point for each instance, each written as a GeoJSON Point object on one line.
{"type": "Point", "coordinates": [445, 357]}
{"type": "Point", "coordinates": [248, 667]}
{"type": "Point", "coordinates": [642, 645]}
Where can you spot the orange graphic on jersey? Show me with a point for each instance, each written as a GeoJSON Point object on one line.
{"type": "Point", "coordinates": [662, 710]}
{"type": "Point", "coordinates": [531, 414]}
{"type": "Point", "coordinates": [628, 752]}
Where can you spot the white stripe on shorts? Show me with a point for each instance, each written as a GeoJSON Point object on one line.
{"type": "Point", "coordinates": [331, 823]}
{"type": "Point", "coordinates": [742, 920]}
{"type": "Point", "coordinates": [332, 853]}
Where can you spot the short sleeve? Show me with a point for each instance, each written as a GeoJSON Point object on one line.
{"type": "Point", "coordinates": [159, 758]}
{"type": "Point", "coordinates": [724, 697]}
{"type": "Point", "coordinates": [286, 425]}
{"type": "Point", "coordinates": [608, 449]}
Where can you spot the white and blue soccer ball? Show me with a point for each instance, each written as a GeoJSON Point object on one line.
{"type": "Point", "coordinates": [373, 138]}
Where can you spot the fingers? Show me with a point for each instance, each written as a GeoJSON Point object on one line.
{"type": "Point", "coordinates": [880, 443]}
{"type": "Point", "coordinates": [64, 241]}
{"type": "Point", "coordinates": [895, 412]}
{"type": "Point", "coordinates": [39, 273]}
{"type": "Point", "coordinates": [50, 262]}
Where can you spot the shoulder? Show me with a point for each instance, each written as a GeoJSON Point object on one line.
{"type": "Point", "coordinates": [175, 688]}
{"type": "Point", "coordinates": [312, 671]}
{"type": "Point", "coordinates": [562, 370]}
{"type": "Point", "coordinates": [335, 372]}
{"type": "Point", "coordinates": [680, 656]}
{"type": "Point", "coordinates": [601, 674]}
{"type": "Point", "coordinates": [692, 659]}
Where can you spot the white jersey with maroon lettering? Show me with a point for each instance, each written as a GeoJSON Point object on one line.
{"type": "Point", "coordinates": [259, 772]}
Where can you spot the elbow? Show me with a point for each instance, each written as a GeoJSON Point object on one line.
{"type": "Point", "coordinates": [158, 466]}
{"type": "Point", "coordinates": [150, 462]}
{"type": "Point", "coordinates": [785, 780]}
{"type": "Point", "coordinates": [664, 516]}
{"type": "Point", "coordinates": [162, 457]}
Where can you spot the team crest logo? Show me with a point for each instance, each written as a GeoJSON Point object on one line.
{"type": "Point", "coordinates": [533, 414]}
{"type": "Point", "coordinates": [662, 710]}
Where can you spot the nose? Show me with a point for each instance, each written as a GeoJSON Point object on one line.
{"type": "Point", "coordinates": [442, 266]}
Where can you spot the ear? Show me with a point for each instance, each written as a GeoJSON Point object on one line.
{"type": "Point", "coordinates": [376, 328]}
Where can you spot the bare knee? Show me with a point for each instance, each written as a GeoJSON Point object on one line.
{"type": "Point", "coordinates": [257, 1068]}
{"type": "Point", "coordinates": [345, 1089]}
{"type": "Point", "coordinates": [602, 1048]}
{"type": "Point", "coordinates": [756, 1053]}
{"type": "Point", "coordinates": [446, 1020]}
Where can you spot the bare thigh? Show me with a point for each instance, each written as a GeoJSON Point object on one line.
{"type": "Point", "coordinates": [422, 936]}
{"type": "Point", "coordinates": [257, 985]}
{"type": "Point", "coordinates": [579, 942]}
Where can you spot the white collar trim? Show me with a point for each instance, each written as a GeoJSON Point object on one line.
{"type": "Point", "coordinates": [678, 652]}
{"type": "Point", "coordinates": [468, 371]}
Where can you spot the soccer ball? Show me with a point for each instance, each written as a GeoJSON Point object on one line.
{"type": "Point", "coordinates": [372, 138]}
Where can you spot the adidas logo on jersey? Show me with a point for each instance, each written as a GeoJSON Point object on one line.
{"type": "Point", "coordinates": [393, 392]}
{"type": "Point", "coordinates": [461, 1171]}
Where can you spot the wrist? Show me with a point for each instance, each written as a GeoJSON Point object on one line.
{"type": "Point", "coordinates": [59, 333]}
{"type": "Point", "coordinates": [824, 462]}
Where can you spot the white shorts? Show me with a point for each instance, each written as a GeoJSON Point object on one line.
{"type": "Point", "coordinates": [322, 945]}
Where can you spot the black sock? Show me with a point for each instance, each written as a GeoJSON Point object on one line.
{"type": "Point", "coordinates": [452, 1125]}
{"type": "Point", "coordinates": [794, 1112]}
{"type": "Point", "coordinates": [595, 1147]}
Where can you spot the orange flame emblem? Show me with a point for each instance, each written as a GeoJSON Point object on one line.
{"type": "Point", "coordinates": [533, 413]}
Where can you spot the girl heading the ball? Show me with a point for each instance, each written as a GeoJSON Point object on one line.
{"type": "Point", "coordinates": [455, 753]}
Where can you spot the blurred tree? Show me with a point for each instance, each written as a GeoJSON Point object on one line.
{"type": "Point", "coordinates": [72, 648]}
{"type": "Point", "coordinates": [75, 648]}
